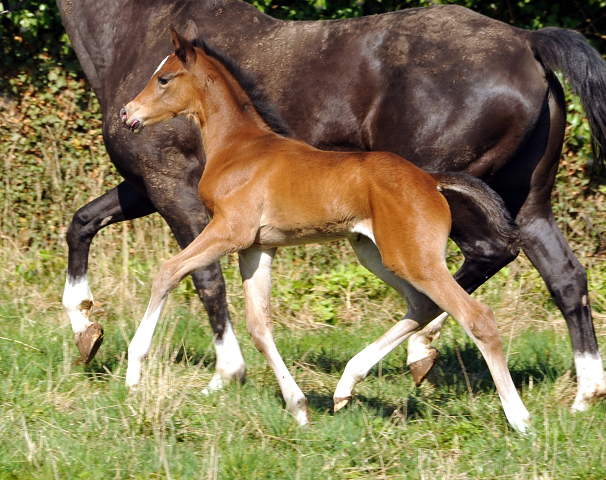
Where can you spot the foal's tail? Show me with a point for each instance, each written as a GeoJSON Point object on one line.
{"type": "Point", "coordinates": [584, 69]}
{"type": "Point", "coordinates": [476, 207]}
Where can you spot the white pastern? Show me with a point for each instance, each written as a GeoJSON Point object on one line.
{"type": "Point", "coordinates": [139, 346]}
{"type": "Point", "coordinates": [419, 344]}
{"type": "Point", "coordinates": [356, 370]}
{"type": "Point", "coordinates": [516, 413]}
{"type": "Point", "coordinates": [230, 362]}
{"type": "Point", "coordinates": [591, 380]}
{"type": "Point", "coordinates": [78, 303]}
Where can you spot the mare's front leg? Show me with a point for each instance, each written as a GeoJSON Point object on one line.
{"type": "Point", "coordinates": [187, 217]}
{"type": "Point", "coordinates": [214, 242]}
{"type": "Point", "coordinates": [120, 203]}
{"type": "Point", "coordinates": [255, 268]}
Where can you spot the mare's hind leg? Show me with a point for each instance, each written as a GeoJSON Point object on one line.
{"type": "Point", "coordinates": [255, 268]}
{"type": "Point", "coordinates": [566, 279]}
{"type": "Point", "coordinates": [120, 203]}
{"type": "Point", "coordinates": [526, 185]}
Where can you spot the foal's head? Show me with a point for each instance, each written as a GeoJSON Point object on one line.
{"type": "Point", "coordinates": [171, 90]}
{"type": "Point", "coordinates": [176, 86]}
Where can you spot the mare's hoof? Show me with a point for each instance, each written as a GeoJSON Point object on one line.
{"type": "Point", "coordinates": [341, 402]}
{"type": "Point", "coordinates": [89, 341]}
{"type": "Point", "coordinates": [421, 368]}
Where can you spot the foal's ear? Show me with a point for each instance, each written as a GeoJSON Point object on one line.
{"type": "Point", "coordinates": [191, 34]}
{"type": "Point", "coordinates": [184, 50]}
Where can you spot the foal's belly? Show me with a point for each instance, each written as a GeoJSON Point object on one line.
{"type": "Point", "coordinates": [271, 236]}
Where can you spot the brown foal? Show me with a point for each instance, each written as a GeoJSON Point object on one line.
{"type": "Point", "coordinates": [264, 191]}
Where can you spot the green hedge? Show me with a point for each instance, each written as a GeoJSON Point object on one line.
{"type": "Point", "coordinates": [54, 160]}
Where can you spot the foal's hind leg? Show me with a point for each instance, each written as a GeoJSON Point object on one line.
{"type": "Point", "coordinates": [480, 264]}
{"type": "Point", "coordinates": [484, 256]}
{"type": "Point", "coordinates": [476, 318]}
{"type": "Point", "coordinates": [421, 355]}
{"type": "Point", "coordinates": [255, 268]}
{"type": "Point", "coordinates": [478, 321]}
{"type": "Point", "coordinates": [420, 311]}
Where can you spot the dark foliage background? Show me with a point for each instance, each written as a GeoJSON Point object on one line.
{"type": "Point", "coordinates": [50, 125]}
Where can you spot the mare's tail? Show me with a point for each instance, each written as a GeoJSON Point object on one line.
{"type": "Point", "coordinates": [476, 208]}
{"type": "Point", "coordinates": [584, 69]}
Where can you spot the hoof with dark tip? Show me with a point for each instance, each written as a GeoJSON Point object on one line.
{"type": "Point", "coordinates": [340, 403]}
{"type": "Point", "coordinates": [89, 341]}
{"type": "Point", "coordinates": [421, 368]}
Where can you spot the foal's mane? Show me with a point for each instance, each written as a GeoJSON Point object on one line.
{"type": "Point", "coordinates": [267, 110]}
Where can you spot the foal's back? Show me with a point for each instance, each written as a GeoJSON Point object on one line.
{"type": "Point", "coordinates": [303, 193]}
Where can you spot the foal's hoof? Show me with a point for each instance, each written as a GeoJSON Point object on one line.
{"type": "Point", "coordinates": [89, 341]}
{"type": "Point", "coordinates": [341, 402]}
{"type": "Point", "coordinates": [421, 368]}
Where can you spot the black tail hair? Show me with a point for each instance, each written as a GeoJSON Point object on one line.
{"type": "Point", "coordinates": [485, 201]}
{"type": "Point", "coordinates": [567, 51]}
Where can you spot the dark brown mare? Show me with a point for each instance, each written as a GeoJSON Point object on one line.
{"type": "Point", "coordinates": [448, 89]}
{"type": "Point", "coordinates": [264, 190]}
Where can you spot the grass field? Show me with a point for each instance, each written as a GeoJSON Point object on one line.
{"type": "Point", "coordinates": [63, 420]}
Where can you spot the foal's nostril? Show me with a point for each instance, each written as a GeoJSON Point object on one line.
{"type": "Point", "coordinates": [123, 114]}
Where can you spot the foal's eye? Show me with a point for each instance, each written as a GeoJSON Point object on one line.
{"type": "Point", "coordinates": [162, 80]}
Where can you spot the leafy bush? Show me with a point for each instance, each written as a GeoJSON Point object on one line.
{"type": "Point", "coordinates": [55, 162]}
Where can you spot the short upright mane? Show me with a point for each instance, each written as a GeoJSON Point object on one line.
{"type": "Point", "coordinates": [249, 84]}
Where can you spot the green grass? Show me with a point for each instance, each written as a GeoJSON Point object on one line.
{"type": "Point", "coordinates": [59, 419]}
{"type": "Point", "coordinates": [63, 420]}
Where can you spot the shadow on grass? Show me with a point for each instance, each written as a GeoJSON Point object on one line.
{"type": "Point", "coordinates": [454, 363]}
{"type": "Point", "coordinates": [322, 403]}
{"type": "Point", "coordinates": [109, 362]}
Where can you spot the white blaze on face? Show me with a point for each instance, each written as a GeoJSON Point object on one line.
{"type": "Point", "coordinates": [160, 66]}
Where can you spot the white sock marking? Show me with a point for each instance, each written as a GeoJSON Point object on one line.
{"type": "Point", "coordinates": [230, 362]}
{"type": "Point", "coordinates": [77, 297]}
{"type": "Point", "coordinates": [516, 413]}
{"type": "Point", "coordinates": [140, 344]}
{"type": "Point", "coordinates": [419, 344]}
{"type": "Point", "coordinates": [357, 369]}
{"type": "Point", "coordinates": [591, 379]}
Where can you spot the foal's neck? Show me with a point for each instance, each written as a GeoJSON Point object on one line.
{"type": "Point", "coordinates": [226, 113]}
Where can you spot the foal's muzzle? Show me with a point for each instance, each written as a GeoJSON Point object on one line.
{"type": "Point", "coordinates": [133, 125]}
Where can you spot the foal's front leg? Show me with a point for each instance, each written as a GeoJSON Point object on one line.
{"type": "Point", "coordinates": [255, 268]}
{"type": "Point", "coordinates": [215, 241]}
